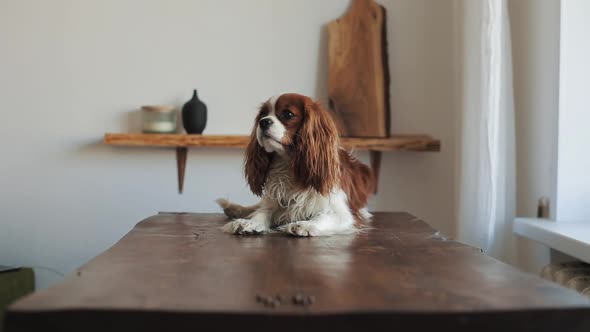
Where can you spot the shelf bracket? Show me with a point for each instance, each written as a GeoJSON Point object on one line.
{"type": "Point", "coordinates": [376, 166]}
{"type": "Point", "coordinates": [181, 154]}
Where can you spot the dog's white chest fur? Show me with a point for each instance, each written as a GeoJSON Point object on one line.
{"type": "Point", "coordinates": [292, 203]}
{"type": "Point", "coordinates": [299, 211]}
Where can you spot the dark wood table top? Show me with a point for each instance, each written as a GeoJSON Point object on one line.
{"type": "Point", "coordinates": [180, 272]}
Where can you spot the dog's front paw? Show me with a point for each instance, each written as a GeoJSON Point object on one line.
{"type": "Point", "coordinates": [244, 226]}
{"type": "Point", "coordinates": [301, 228]}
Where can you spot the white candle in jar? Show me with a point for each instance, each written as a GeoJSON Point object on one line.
{"type": "Point", "coordinates": [159, 126]}
{"type": "Point", "coordinates": [159, 119]}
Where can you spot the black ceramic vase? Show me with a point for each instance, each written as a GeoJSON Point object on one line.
{"type": "Point", "coordinates": [194, 115]}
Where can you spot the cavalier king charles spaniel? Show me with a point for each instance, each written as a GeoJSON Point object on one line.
{"type": "Point", "coordinates": [309, 185]}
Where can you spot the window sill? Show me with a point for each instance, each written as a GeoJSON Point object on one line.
{"type": "Point", "coordinates": [570, 238]}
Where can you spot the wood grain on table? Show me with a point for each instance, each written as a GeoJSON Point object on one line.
{"type": "Point", "coordinates": [179, 272]}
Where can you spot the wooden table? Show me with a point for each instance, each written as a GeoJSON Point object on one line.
{"type": "Point", "coordinates": [179, 272]}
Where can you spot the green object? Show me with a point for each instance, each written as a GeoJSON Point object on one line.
{"type": "Point", "coordinates": [14, 285]}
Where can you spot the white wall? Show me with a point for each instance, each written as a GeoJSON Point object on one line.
{"type": "Point", "coordinates": [73, 70]}
{"type": "Point", "coordinates": [573, 179]}
{"type": "Point", "coordinates": [420, 37]}
{"type": "Point", "coordinates": [535, 46]}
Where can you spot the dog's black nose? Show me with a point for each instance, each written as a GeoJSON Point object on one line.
{"type": "Point", "coordinates": [265, 123]}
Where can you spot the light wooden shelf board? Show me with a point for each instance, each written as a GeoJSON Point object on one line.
{"type": "Point", "coordinates": [394, 143]}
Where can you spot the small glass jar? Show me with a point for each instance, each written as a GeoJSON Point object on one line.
{"type": "Point", "coordinates": [159, 119]}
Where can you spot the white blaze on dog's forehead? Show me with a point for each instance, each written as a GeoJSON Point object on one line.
{"type": "Point", "coordinates": [272, 102]}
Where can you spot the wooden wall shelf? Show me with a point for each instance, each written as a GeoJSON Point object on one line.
{"type": "Point", "coordinates": [418, 143]}
{"type": "Point", "coordinates": [394, 143]}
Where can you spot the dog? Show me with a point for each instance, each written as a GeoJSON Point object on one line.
{"type": "Point", "coordinates": [308, 184]}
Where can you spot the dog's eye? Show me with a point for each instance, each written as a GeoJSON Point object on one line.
{"type": "Point", "coordinates": [287, 115]}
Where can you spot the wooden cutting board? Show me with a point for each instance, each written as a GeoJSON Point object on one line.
{"type": "Point", "coordinates": [358, 74]}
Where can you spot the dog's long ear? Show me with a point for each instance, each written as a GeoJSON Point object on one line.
{"type": "Point", "coordinates": [256, 163]}
{"type": "Point", "coordinates": [315, 160]}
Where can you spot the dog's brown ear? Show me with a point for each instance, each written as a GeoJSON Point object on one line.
{"type": "Point", "coordinates": [316, 163]}
{"type": "Point", "coordinates": [256, 163]}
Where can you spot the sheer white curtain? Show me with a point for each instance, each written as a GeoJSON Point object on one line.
{"type": "Point", "coordinates": [486, 158]}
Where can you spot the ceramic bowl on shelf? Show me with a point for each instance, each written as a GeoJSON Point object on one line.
{"type": "Point", "coordinates": [159, 119]}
